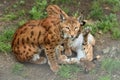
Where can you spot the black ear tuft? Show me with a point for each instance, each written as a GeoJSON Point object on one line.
{"type": "Point", "coordinates": [62, 18]}
{"type": "Point", "coordinates": [80, 18]}
{"type": "Point", "coordinates": [82, 23]}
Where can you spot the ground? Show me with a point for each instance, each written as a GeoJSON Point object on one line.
{"type": "Point", "coordinates": [27, 71]}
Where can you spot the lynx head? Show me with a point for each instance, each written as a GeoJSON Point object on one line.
{"type": "Point", "coordinates": [71, 27]}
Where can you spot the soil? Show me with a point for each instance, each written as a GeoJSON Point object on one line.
{"type": "Point", "coordinates": [43, 72]}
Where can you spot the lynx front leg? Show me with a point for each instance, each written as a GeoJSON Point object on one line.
{"type": "Point", "coordinates": [63, 59]}
{"type": "Point", "coordinates": [89, 52]}
{"type": "Point", "coordinates": [67, 48]}
{"type": "Point", "coordinates": [51, 56]}
{"type": "Point", "coordinates": [68, 52]}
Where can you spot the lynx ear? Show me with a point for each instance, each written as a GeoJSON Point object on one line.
{"type": "Point", "coordinates": [81, 20]}
{"type": "Point", "coordinates": [62, 18]}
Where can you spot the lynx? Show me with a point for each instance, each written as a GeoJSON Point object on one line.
{"type": "Point", "coordinates": [45, 34]}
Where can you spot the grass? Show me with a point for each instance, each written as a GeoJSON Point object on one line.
{"type": "Point", "coordinates": [114, 4]}
{"type": "Point", "coordinates": [21, 13]}
{"type": "Point", "coordinates": [110, 65]}
{"type": "Point", "coordinates": [76, 14]}
{"type": "Point", "coordinates": [14, 14]}
{"type": "Point", "coordinates": [106, 77]}
{"type": "Point", "coordinates": [22, 22]}
{"type": "Point", "coordinates": [19, 3]}
{"type": "Point", "coordinates": [116, 33]}
{"type": "Point", "coordinates": [9, 17]}
{"type": "Point", "coordinates": [96, 10]}
{"type": "Point", "coordinates": [6, 35]}
{"type": "Point", "coordinates": [66, 9]}
{"type": "Point", "coordinates": [5, 39]}
{"type": "Point", "coordinates": [4, 47]}
{"type": "Point", "coordinates": [68, 71]}
{"type": "Point", "coordinates": [38, 10]}
{"type": "Point", "coordinates": [18, 68]}
{"type": "Point", "coordinates": [108, 23]}
{"type": "Point", "coordinates": [65, 5]}
{"type": "Point", "coordinates": [105, 24]}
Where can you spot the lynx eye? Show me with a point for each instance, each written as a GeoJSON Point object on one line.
{"type": "Point", "coordinates": [76, 28]}
{"type": "Point", "coordinates": [67, 28]}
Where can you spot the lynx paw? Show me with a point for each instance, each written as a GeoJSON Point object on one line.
{"type": "Point", "coordinates": [41, 60]}
{"type": "Point", "coordinates": [61, 59]}
{"type": "Point", "coordinates": [68, 52]}
{"type": "Point", "coordinates": [38, 60]}
{"type": "Point", "coordinates": [54, 67]}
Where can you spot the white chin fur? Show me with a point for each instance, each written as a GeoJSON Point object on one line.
{"type": "Point", "coordinates": [65, 35]}
{"type": "Point", "coordinates": [77, 43]}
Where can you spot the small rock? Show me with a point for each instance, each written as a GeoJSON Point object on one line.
{"type": "Point", "coordinates": [100, 32]}
{"type": "Point", "coordinates": [113, 51]}
{"type": "Point", "coordinates": [5, 2]}
{"type": "Point", "coordinates": [114, 48]}
{"type": "Point", "coordinates": [106, 50]}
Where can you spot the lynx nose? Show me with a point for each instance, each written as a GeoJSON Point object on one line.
{"type": "Point", "coordinates": [72, 36]}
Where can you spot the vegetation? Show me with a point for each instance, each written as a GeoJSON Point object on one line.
{"type": "Point", "coordinates": [110, 65]}
{"type": "Point", "coordinates": [106, 77]}
{"type": "Point", "coordinates": [66, 2]}
{"type": "Point", "coordinates": [9, 17]}
{"type": "Point", "coordinates": [38, 10]}
{"type": "Point", "coordinates": [107, 23]}
{"type": "Point", "coordinates": [5, 39]}
{"type": "Point", "coordinates": [104, 22]}
{"type": "Point", "coordinates": [19, 3]}
{"type": "Point", "coordinates": [114, 4]}
{"type": "Point", "coordinates": [21, 22]}
{"type": "Point", "coordinates": [68, 71]}
{"type": "Point", "coordinates": [116, 33]}
{"type": "Point", "coordinates": [96, 10]}
{"type": "Point", "coordinates": [18, 68]}
{"type": "Point", "coordinates": [4, 47]}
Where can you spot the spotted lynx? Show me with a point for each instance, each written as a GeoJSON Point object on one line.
{"type": "Point", "coordinates": [45, 34]}
{"type": "Point", "coordinates": [82, 44]}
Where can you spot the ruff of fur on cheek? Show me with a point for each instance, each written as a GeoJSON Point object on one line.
{"type": "Point", "coordinates": [65, 35]}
